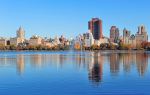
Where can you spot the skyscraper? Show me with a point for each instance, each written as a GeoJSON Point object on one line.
{"type": "Point", "coordinates": [95, 26]}
{"type": "Point", "coordinates": [126, 33]}
{"type": "Point", "coordinates": [141, 35]}
{"type": "Point", "coordinates": [114, 34]}
{"type": "Point", "coordinates": [88, 39]}
{"type": "Point", "coordinates": [142, 31]}
{"type": "Point", "coordinates": [126, 36]}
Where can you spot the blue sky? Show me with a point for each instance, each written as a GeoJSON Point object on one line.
{"type": "Point", "coordinates": [69, 17]}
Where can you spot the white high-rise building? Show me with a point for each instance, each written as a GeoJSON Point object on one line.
{"type": "Point", "coordinates": [89, 40]}
{"type": "Point", "coordinates": [126, 36]}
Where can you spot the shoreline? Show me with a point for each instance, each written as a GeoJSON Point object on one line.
{"type": "Point", "coordinates": [74, 50]}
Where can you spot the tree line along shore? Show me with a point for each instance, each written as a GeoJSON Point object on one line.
{"type": "Point", "coordinates": [104, 46]}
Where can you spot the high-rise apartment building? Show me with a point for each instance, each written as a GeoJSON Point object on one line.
{"type": "Point", "coordinates": [88, 39]}
{"type": "Point", "coordinates": [114, 34]}
{"type": "Point", "coordinates": [95, 26]}
{"type": "Point", "coordinates": [126, 36]}
{"type": "Point", "coordinates": [141, 35]}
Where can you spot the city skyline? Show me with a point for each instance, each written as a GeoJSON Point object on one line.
{"type": "Point", "coordinates": [51, 18]}
{"type": "Point", "coordinates": [74, 47]}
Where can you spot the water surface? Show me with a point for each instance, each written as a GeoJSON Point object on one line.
{"type": "Point", "coordinates": [74, 73]}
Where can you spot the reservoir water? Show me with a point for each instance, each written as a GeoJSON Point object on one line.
{"type": "Point", "coordinates": [74, 73]}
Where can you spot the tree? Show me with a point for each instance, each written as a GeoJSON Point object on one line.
{"type": "Point", "coordinates": [31, 47]}
{"type": "Point", "coordinates": [102, 46]}
{"type": "Point", "coordinates": [77, 46]}
{"type": "Point", "coordinates": [2, 47]}
{"type": "Point", "coordinates": [13, 47]}
{"type": "Point", "coordinates": [128, 46]}
{"type": "Point", "coordinates": [113, 47]}
{"type": "Point", "coordinates": [95, 47]}
{"type": "Point", "coordinates": [144, 45]}
{"type": "Point", "coordinates": [39, 47]}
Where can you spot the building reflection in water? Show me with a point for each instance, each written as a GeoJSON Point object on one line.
{"type": "Point", "coordinates": [142, 63]}
{"type": "Point", "coordinates": [20, 64]}
{"type": "Point", "coordinates": [96, 68]}
{"type": "Point", "coordinates": [81, 60]}
{"type": "Point", "coordinates": [39, 60]}
{"type": "Point", "coordinates": [128, 60]}
{"type": "Point", "coordinates": [36, 60]}
{"type": "Point", "coordinates": [114, 63]}
{"type": "Point", "coordinates": [92, 61]}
